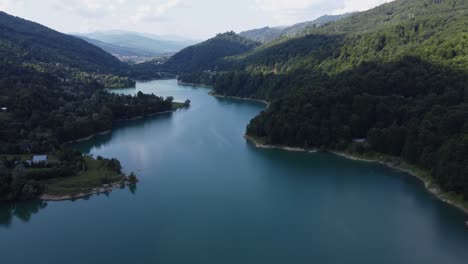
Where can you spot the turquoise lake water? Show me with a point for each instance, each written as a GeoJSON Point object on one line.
{"type": "Point", "coordinates": [207, 196]}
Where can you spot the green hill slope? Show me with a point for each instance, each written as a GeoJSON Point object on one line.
{"type": "Point", "coordinates": [395, 76]}
{"type": "Point", "coordinates": [207, 55]}
{"type": "Point", "coordinates": [268, 34]}
{"type": "Point", "coordinates": [23, 41]}
{"type": "Point", "coordinates": [51, 92]}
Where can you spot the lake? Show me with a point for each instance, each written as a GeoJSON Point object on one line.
{"type": "Point", "coordinates": [208, 196]}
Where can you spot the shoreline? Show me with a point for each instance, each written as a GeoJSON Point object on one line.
{"type": "Point", "coordinates": [291, 149]}
{"type": "Point", "coordinates": [117, 121]}
{"type": "Point", "coordinates": [430, 187]}
{"type": "Point", "coordinates": [193, 84]}
{"type": "Point", "coordinates": [108, 188]}
{"type": "Point", "coordinates": [214, 94]}
{"type": "Point", "coordinates": [88, 137]}
{"type": "Point", "coordinates": [146, 116]}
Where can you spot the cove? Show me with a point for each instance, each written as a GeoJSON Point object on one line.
{"type": "Point", "coordinates": [208, 196]}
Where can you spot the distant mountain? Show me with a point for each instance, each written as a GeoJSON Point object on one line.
{"type": "Point", "coordinates": [123, 44]}
{"type": "Point", "coordinates": [205, 55]}
{"type": "Point", "coordinates": [118, 51]}
{"type": "Point", "coordinates": [297, 28]}
{"type": "Point", "coordinates": [263, 35]}
{"type": "Point", "coordinates": [25, 42]}
{"type": "Point", "coordinates": [268, 34]}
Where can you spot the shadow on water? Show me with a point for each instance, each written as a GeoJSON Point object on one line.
{"type": "Point", "coordinates": [100, 141]}
{"type": "Point", "coordinates": [25, 210]}
{"type": "Point", "coordinates": [22, 211]}
{"type": "Point", "coordinates": [237, 101]}
{"type": "Point", "coordinates": [311, 165]}
{"type": "Point", "coordinates": [133, 188]}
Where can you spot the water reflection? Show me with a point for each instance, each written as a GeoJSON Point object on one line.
{"type": "Point", "coordinates": [101, 141]}
{"type": "Point", "coordinates": [22, 211]}
{"type": "Point", "coordinates": [25, 210]}
{"type": "Point", "coordinates": [133, 188]}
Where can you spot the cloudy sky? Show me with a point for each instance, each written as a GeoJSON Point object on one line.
{"type": "Point", "coordinates": [196, 19]}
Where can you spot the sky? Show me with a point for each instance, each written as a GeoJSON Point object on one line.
{"type": "Point", "coordinates": [192, 19]}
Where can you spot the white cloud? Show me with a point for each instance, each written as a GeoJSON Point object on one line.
{"type": "Point", "coordinates": [292, 11]}
{"type": "Point", "coordinates": [194, 18]}
{"type": "Point", "coordinates": [153, 12]}
{"type": "Point", "coordinates": [136, 10]}
{"type": "Point", "coordinates": [8, 5]}
{"type": "Point", "coordinates": [90, 8]}
{"type": "Point", "coordinates": [4, 4]}
{"type": "Point", "coordinates": [353, 5]}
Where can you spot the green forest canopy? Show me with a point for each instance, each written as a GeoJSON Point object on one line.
{"type": "Point", "coordinates": [395, 75]}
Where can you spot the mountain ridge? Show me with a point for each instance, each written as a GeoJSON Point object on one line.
{"type": "Point", "coordinates": [268, 34]}
{"type": "Point", "coordinates": [24, 40]}
{"type": "Point", "coordinates": [123, 44]}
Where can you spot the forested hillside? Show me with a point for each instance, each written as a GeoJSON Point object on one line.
{"type": "Point", "coordinates": [23, 41]}
{"type": "Point", "coordinates": [52, 91]}
{"type": "Point", "coordinates": [193, 61]}
{"type": "Point", "coordinates": [142, 43]}
{"type": "Point", "coordinates": [268, 34]}
{"type": "Point", "coordinates": [265, 34]}
{"type": "Point", "coordinates": [395, 76]}
{"type": "Point", "coordinates": [208, 55]}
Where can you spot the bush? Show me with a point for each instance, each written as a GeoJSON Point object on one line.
{"type": "Point", "coordinates": [132, 178]}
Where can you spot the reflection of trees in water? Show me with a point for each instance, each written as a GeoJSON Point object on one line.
{"type": "Point", "coordinates": [133, 188]}
{"type": "Point", "coordinates": [25, 210]}
{"type": "Point", "coordinates": [100, 141]}
{"type": "Point", "coordinates": [22, 211]}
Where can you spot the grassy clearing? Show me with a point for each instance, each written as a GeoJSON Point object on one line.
{"type": "Point", "coordinates": [96, 175]}
{"type": "Point", "coordinates": [176, 106]}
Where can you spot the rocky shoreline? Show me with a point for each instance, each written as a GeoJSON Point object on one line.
{"type": "Point", "coordinates": [430, 187]}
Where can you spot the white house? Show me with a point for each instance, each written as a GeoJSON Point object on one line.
{"type": "Point", "coordinates": [38, 159]}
